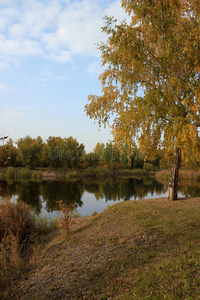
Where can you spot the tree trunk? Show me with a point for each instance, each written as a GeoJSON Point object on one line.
{"type": "Point", "coordinates": [173, 180]}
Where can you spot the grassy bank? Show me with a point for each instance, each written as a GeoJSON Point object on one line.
{"type": "Point", "coordinates": [69, 174]}
{"type": "Point", "coordinates": [184, 174]}
{"type": "Point", "coordinates": [146, 249]}
{"type": "Point", "coordinates": [101, 172]}
{"type": "Point", "coordinates": [98, 172]}
{"type": "Point", "coordinates": [22, 173]}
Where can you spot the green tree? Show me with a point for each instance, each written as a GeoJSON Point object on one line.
{"type": "Point", "coordinates": [99, 150]}
{"type": "Point", "coordinates": [8, 154]}
{"type": "Point", "coordinates": [73, 153]}
{"type": "Point", "coordinates": [63, 152]}
{"type": "Point", "coordinates": [111, 154]}
{"type": "Point", "coordinates": [158, 53]}
{"type": "Point", "coordinates": [52, 153]}
{"type": "Point", "coordinates": [30, 151]}
{"type": "Point", "coordinates": [91, 160]}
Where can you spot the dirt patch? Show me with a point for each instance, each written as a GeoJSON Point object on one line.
{"type": "Point", "coordinates": [51, 175]}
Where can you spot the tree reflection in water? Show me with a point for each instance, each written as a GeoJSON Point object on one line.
{"type": "Point", "coordinates": [45, 194]}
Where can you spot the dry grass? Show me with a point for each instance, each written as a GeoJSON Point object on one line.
{"type": "Point", "coordinates": [21, 242]}
{"type": "Point", "coordinates": [146, 249]}
{"type": "Point", "coordinates": [15, 219]}
{"type": "Point", "coordinates": [183, 175]}
{"type": "Point", "coordinates": [16, 224]}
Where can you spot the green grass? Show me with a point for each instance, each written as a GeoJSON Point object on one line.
{"type": "Point", "coordinates": [145, 249]}
{"type": "Point", "coordinates": [131, 173]}
{"type": "Point", "coordinates": [162, 249]}
{"type": "Point", "coordinates": [22, 174]}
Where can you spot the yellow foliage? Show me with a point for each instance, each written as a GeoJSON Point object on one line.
{"type": "Point", "coordinates": [158, 52]}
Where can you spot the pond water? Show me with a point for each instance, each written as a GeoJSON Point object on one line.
{"type": "Point", "coordinates": [88, 195]}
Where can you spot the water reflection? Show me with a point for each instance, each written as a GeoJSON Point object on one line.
{"type": "Point", "coordinates": [123, 189]}
{"type": "Point", "coordinates": [43, 196]}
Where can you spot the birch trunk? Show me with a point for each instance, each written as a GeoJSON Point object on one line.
{"type": "Point", "coordinates": [173, 180]}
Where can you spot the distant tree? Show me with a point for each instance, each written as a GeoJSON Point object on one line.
{"type": "Point", "coordinates": [63, 152]}
{"type": "Point", "coordinates": [8, 154]}
{"type": "Point", "coordinates": [111, 154]}
{"type": "Point", "coordinates": [91, 159]}
{"type": "Point", "coordinates": [157, 52]}
{"type": "Point", "coordinates": [30, 151]}
{"type": "Point", "coordinates": [73, 153]}
{"type": "Point", "coordinates": [52, 153]}
{"type": "Point", "coordinates": [99, 150]}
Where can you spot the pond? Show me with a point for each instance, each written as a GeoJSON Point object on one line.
{"type": "Point", "coordinates": [88, 195]}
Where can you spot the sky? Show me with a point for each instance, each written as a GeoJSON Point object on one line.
{"type": "Point", "coordinates": [49, 64]}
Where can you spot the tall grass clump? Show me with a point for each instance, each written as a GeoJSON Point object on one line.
{"type": "Point", "coordinates": [13, 173]}
{"type": "Point", "coordinates": [16, 225]}
{"type": "Point", "coordinates": [36, 176]}
{"type": "Point", "coordinates": [10, 173]}
{"type": "Point", "coordinates": [162, 175]}
{"type": "Point", "coordinates": [189, 175]}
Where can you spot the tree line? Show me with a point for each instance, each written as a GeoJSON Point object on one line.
{"type": "Point", "coordinates": [57, 152]}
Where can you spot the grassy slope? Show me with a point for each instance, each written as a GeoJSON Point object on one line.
{"type": "Point", "coordinates": [146, 249]}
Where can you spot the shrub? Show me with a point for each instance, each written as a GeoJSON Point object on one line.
{"type": "Point", "coordinates": [103, 171]}
{"type": "Point", "coordinates": [148, 167]}
{"type": "Point", "coordinates": [71, 175]}
{"type": "Point", "coordinates": [90, 172]}
{"type": "Point", "coordinates": [65, 220]}
{"type": "Point", "coordinates": [131, 173]}
{"type": "Point", "coordinates": [24, 174]}
{"type": "Point", "coordinates": [97, 172]}
{"type": "Point", "coordinates": [10, 173]}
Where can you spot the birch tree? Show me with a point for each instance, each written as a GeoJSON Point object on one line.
{"type": "Point", "coordinates": [157, 53]}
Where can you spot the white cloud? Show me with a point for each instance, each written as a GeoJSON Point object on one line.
{"type": "Point", "coordinates": [56, 29]}
{"type": "Point", "coordinates": [24, 47]}
{"type": "Point", "coordinates": [61, 57]}
{"type": "Point", "coordinates": [8, 15]}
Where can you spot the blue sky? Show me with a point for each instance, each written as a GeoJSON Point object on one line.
{"type": "Point", "coordinates": [49, 64]}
